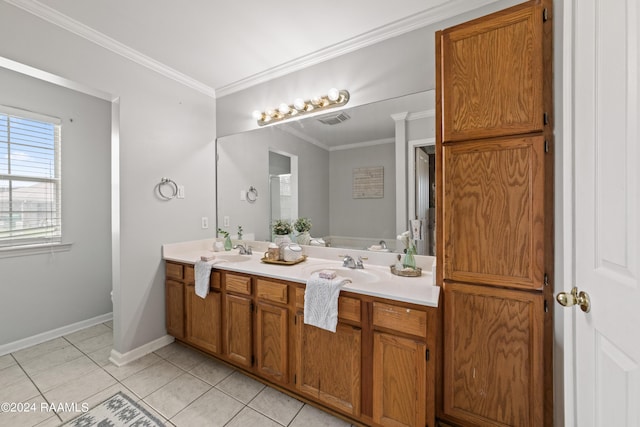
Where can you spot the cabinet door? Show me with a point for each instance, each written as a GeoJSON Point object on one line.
{"type": "Point", "coordinates": [238, 336]}
{"type": "Point", "coordinates": [203, 317]}
{"type": "Point", "coordinates": [399, 381]}
{"type": "Point", "coordinates": [493, 212]}
{"type": "Point", "coordinates": [272, 337]}
{"type": "Point", "coordinates": [174, 302]}
{"type": "Point", "coordinates": [493, 342]}
{"type": "Point", "coordinates": [490, 72]}
{"type": "Point", "coordinates": [328, 365]}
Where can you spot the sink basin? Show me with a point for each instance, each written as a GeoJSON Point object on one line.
{"type": "Point", "coordinates": [233, 257]}
{"type": "Point", "coordinates": [355, 275]}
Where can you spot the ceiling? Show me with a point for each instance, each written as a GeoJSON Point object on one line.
{"type": "Point", "coordinates": [218, 44]}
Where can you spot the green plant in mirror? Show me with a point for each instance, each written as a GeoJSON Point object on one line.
{"type": "Point", "coordinates": [302, 224]}
{"type": "Point", "coordinates": [281, 227]}
{"type": "Point", "coordinates": [227, 239]}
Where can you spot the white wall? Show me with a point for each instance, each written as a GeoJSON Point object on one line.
{"type": "Point", "coordinates": [49, 291]}
{"type": "Point", "coordinates": [166, 130]}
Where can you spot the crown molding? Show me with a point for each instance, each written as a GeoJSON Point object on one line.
{"type": "Point", "coordinates": [63, 21]}
{"type": "Point", "coordinates": [427, 17]}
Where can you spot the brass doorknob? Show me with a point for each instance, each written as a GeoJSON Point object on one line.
{"type": "Point", "coordinates": [575, 298]}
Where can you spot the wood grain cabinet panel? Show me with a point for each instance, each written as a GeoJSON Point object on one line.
{"type": "Point", "coordinates": [399, 318]}
{"type": "Point", "coordinates": [272, 337]}
{"type": "Point", "coordinates": [174, 306]}
{"type": "Point", "coordinates": [329, 365]}
{"type": "Point", "coordinates": [494, 346]}
{"type": "Point", "coordinates": [238, 284]}
{"type": "Point", "coordinates": [203, 320]}
{"type": "Point", "coordinates": [490, 76]}
{"type": "Point", "coordinates": [238, 332]}
{"type": "Point", "coordinates": [493, 208]}
{"type": "Point", "coordinates": [174, 271]}
{"type": "Point", "coordinates": [399, 381]}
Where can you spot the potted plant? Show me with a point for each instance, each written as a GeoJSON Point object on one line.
{"type": "Point", "coordinates": [227, 239]}
{"type": "Point", "coordinates": [302, 226]}
{"type": "Point", "coordinates": [281, 229]}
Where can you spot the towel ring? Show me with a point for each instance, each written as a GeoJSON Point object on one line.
{"type": "Point", "coordinates": [173, 192]}
{"type": "Point", "coordinates": [252, 194]}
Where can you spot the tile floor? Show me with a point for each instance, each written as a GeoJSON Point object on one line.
{"type": "Point", "coordinates": [176, 384]}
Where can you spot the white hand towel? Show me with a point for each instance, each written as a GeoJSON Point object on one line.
{"type": "Point", "coordinates": [321, 301]}
{"type": "Point", "coordinates": [202, 273]}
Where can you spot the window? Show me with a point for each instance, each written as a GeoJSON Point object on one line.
{"type": "Point", "coordinates": [30, 186]}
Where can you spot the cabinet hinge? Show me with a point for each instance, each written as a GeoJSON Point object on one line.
{"type": "Point", "coordinates": [546, 279]}
{"type": "Point", "coordinates": [427, 355]}
{"type": "Point", "coordinates": [253, 360]}
{"type": "Point", "coordinates": [545, 118]}
{"type": "Point", "coordinates": [546, 306]}
{"type": "Point", "coordinates": [546, 146]}
{"type": "Point", "coordinates": [251, 307]}
{"type": "Point", "coordinates": [545, 15]}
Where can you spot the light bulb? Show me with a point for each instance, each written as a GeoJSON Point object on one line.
{"type": "Point", "coordinates": [257, 115]}
{"type": "Point", "coordinates": [317, 99]}
{"type": "Point", "coordinates": [333, 94]}
{"type": "Point", "coordinates": [299, 104]}
{"type": "Point", "coordinates": [283, 108]}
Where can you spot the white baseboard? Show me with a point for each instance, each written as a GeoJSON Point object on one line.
{"type": "Point", "coordinates": [120, 359]}
{"type": "Point", "coordinates": [55, 333]}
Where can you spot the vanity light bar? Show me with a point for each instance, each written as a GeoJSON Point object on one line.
{"type": "Point", "coordinates": [334, 98]}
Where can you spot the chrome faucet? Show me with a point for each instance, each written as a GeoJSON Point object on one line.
{"type": "Point", "coordinates": [243, 250]}
{"type": "Point", "coordinates": [349, 262]}
{"type": "Point", "coordinates": [383, 244]}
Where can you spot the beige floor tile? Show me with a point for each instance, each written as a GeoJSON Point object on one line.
{"type": "Point", "coordinates": [73, 369]}
{"type": "Point", "coordinates": [153, 412]}
{"type": "Point", "coordinates": [53, 421]}
{"type": "Point", "coordinates": [177, 395]}
{"type": "Point", "coordinates": [250, 418]}
{"type": "Point", "coordinates": [101, 356]}
{"type": "Point", "coordinates": [6, 361]}
{"type": "Point", "coordinates": [212, 371]}
{"type": "Point", "coordinates": [29, 414]}
{"type": "Point", "coordinates": [212, 409]}
{"type": "Point", "coordinates": [150, 379]}
{"type": "Point", "coordinates": [85, 334]}
{"type": "Point", "coordinates": [182, 356]}
{"type": "Point", "coordinates": [12, 375]}
{"type": "Point", "coordinates": [20, 391]}
{"type": "Point", "coordinates": [276, 405]}
{"type": "Point", "coordinates": [38, 350]}
{"type": "Point", "coordinates": [109, 324]}
{"type": "Point", "coordinates": [80, 389]}
{"type": "Point", "coordinates": [51, 360]}
{"type": "Point", "coordinates": [122, 372]}
{"type": "Point", "coordinates": [313, 417]}
{"type": "Point", "coordinates": [97, 342]}
{"type": "Point", "coordinates": [240, 387]}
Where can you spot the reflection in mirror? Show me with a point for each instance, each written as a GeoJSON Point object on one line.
{"type": "Point", "coordinates": [334, 152]}
{"type": "Point", "coordinates": [283, 187]}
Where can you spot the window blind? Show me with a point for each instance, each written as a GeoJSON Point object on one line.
{"type": "Point", "coordinates": [30, 178]}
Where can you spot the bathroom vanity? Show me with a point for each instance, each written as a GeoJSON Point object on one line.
{"type": "Point", "coordinates": [378, 368]}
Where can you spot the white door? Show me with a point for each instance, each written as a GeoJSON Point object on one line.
{"type": "Point", "coordinates": [606, 148]}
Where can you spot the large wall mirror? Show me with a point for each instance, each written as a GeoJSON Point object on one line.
{"type": "Point", "coordinates": [345, 178]}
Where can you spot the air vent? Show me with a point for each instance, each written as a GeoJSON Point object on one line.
{"type": "Point", "coordinates": [334, 119]}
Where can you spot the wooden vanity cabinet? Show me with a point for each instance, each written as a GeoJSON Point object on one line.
{"type": "Point", "coordinates": [238, 324]}
{"type": "Point", "coordinates": [272, 330]}
{"type": "Point", "coordinates": [203, 316]}
{"type": "Point", "coordinates": [174, 299]}
{"type": "Point", "coordinates": [400, 364]}
{"type": "Point", "coordinates": [375, 369]}
{"type": "Point", "coordinates": [328, 364]}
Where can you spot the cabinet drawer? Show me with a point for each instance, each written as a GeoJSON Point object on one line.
{"type": "Point", "coordinates": [238, 284]}
{"type": "Point", "coordinates": [348, 308]}
{"type": "Point", "coordinates": [272, 291]}
{"type": "Point", "coordinates": [400, 319]}
{"type": "Point", "coordinates": [174, 271]}
{"type": "Point", "coordinates": [189, 274]}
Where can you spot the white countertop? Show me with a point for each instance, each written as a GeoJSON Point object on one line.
{"type": "Point", "coordinates": [375, 279]}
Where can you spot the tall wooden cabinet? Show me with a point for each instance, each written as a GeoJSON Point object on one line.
{"type": "Point", "coordinates": [494, 159]}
